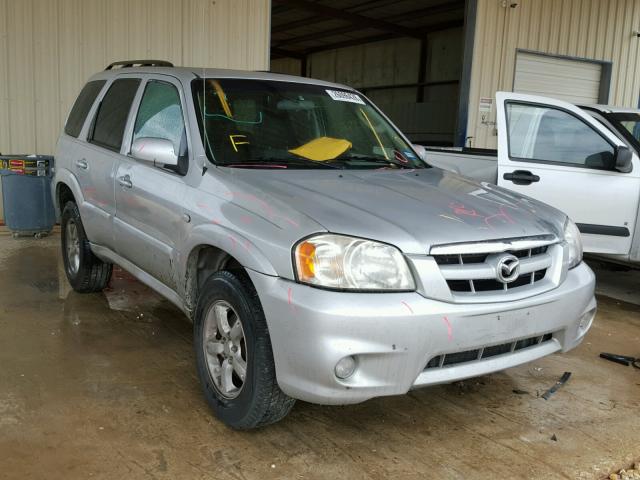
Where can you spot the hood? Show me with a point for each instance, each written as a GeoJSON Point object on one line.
{"type": "Point", "coordinates": [411, 209]}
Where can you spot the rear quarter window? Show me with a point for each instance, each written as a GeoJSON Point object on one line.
{"type": "Point", "coordinates": [111, 118]}
{"type": "Point", "coordinates": [81, 107]}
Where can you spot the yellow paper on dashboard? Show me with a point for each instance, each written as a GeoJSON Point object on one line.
{"type": "Point", "coordinates": [322, 149]}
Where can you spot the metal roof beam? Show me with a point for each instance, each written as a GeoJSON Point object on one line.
{"type": "Point", "coordinates": [432, 10]}
{"type": "Point", "coordinates": [280, 52]}
{"type": "Point", "coordinates": [379, 38]}
{"type": "Point", "coordinates": [314, 35]}
{"type": "Point", "coordinates": [295, 24]}
{"type": "Point", "coordinates": [351, 43]}
{"type": "Point", "coordinates": [353, 18]}
{"type": "Point", "coordinates": [442, 8]}
{"type": "Point", "coordinates": [275, 10]}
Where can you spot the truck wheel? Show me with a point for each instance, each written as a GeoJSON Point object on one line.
{"type": "Point", "coordinates": [233, 354]}
{"type": "Point", "coordinates": [86, 272]}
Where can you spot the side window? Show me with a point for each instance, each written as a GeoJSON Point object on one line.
{"type": "Point", "coordinates": [111, 119]}
{"type": "Point", "coordinates": [160, 116]}
{"type": "Point", "coordinates": [81, 107]}
{"type": "Point", "coordinates": [547, 134]}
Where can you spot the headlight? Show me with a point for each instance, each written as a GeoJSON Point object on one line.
{"type": "Point", "coordinates": [574, 240]}
{"type": "Point", "coordinates": [341, 262]}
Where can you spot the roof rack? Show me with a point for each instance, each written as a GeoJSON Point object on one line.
{"type": "Point", "coordinates": [139, 63]}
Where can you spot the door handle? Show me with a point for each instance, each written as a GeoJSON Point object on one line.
{"type": "Point", "coordinates": [82, 164]}
{"type": "Point", "coordinates": [125, 181]}
{"type": "Point", "coordinates": [521, 177]}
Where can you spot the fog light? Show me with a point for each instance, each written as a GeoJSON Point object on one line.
{"type": "Point", "coordinates": [345, 367]}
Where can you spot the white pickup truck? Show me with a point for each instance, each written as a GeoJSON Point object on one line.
{"type": "Point", "coordinates": [582, 160]}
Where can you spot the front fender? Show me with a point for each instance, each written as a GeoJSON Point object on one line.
{"type": "Point", "coordinates": [230, 241]}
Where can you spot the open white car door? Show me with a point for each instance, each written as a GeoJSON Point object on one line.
{"type": "Point", "coordinates": [556, 153]}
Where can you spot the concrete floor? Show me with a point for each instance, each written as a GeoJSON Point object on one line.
{"type": "Point", "coordinates": [104, 386]}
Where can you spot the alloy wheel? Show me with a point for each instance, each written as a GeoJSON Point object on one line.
{"type": "Point", "coordinates": [225, 349]}
{"type": "Point", "coordinates": [72, 244]}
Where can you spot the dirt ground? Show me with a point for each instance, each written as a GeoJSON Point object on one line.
{"type": "Point", "coordinates": [104, 386]}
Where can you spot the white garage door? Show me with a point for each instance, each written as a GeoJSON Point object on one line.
{"type": "Point", "coordinates": [574, 81]}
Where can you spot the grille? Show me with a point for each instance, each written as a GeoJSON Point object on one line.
{"type": "Point", "coordinates": [476, 272]}
{"type": "Point", "coordinates": [458, 358]}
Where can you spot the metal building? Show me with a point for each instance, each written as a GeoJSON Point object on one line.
{"type": "Point", "coordinates": [583, 51]}
{"type": "Point", "coordinates": [50, 47]}
{"type": "Point", "coordinates": [430, 64]}
{"type": "Point", "coordinates": [434, 65]}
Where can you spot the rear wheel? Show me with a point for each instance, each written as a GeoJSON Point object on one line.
{"type": "Point", "coordinates": [86, 272]}
{"type": "Point", "coordinates": [234, 355]}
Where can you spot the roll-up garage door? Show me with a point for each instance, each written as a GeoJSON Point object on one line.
{"type": "Point", "coordinates": [571, 80]}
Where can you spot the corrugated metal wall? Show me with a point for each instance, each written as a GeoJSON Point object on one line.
{"type": "Point", "coordinates": [288, 66]}
{"type": "Point", "coordinates": [593, 29]}
{"type": "Point", "coordinates": [390, 62]}
{"type": "Point", "coordinates": [397, 62]}
{"type": "Point", "coordinates": [576, 81]}
{"type": "Point", "coordinates": [50, 47]}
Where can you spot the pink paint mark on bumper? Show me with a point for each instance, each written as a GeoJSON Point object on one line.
{"type": "Point", "coordinates": [290, 299]}
{"type": "Point", "coordinates": [449, 328]}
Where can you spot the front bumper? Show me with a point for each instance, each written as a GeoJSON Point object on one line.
{"type": "Point", "coordinates": [394, 335]}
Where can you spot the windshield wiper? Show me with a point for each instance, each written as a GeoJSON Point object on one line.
{"type": "Point", "coordinates": [275, 162]}
{"type": "Point", "coordinates": [356, 157]}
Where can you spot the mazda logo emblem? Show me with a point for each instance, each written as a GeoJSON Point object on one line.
{"type": "Point", "coordinates": [508, 269]}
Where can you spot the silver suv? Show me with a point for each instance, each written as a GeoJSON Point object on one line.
{"type": "Point", "coordinates": [319, 257]}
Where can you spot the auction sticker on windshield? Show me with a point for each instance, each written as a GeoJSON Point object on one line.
{"type": "Point", "coordinates": [341, 96]}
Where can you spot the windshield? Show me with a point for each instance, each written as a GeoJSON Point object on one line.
{"type": "Point", "coordinates": [271, 124]}
{"type": "Point", "coordinates": [628, 124]}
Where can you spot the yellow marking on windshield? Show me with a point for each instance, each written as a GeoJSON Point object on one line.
{"type": "Point", "coordinates": [222, 97]}
{"type": "Point", "coordinates": [373, 130]}
{"type": "Point", "coordinates": [322, 149]}
{"type": "Point", "coordinates": [235, 142]}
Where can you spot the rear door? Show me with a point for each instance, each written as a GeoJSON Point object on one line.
{"type": "Point", "coordinates": [150, 221]}
{"type": "Point", "coordinates": [96, 161]}
{"type": "Point", "coordinates": [556, 153]}
{"type": "Point", "coordinates": [70, 152]}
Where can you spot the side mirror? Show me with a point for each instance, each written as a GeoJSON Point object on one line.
{"type": "Point", "coordinates": [421, 151]}
{"type": "Point", "coordinates": [624, 155]}
{"type": "Point", "coordinates": [157, 150]}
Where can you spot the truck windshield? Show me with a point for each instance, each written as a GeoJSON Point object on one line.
{"type": "Point", "coordinates": [271, 124]}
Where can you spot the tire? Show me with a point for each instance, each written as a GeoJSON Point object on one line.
{"type": "Point", "coordinates": [241, 403]}
{"type": "Point", "coordinates": [86, 272]}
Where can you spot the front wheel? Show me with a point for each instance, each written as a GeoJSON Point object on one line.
{"type": "Point", "coordinates": [86, 272]}
{"type": "Point", "coordinates": [234, 356]}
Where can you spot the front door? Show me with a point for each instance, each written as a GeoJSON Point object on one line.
{"type": "Point", "coordinates": [149, 221]}
{"type": "Point", "coordinates": [556, 153]}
